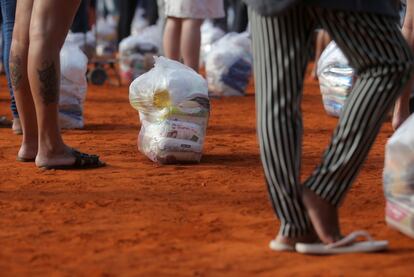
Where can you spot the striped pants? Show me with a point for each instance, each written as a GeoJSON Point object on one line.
{"type": "Point", "coordinates": [377, 51]}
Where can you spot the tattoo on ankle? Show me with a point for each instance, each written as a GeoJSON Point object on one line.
{"type": "Point", "coordinates": [15, 71]}
{"type": "Point", "coordinates": [49, 87]}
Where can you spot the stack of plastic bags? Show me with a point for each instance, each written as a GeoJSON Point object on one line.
{"type": "Point", "coordinates": [136, 53]}
{"type": "Point", "coordinates": [173, 105]}
{"type": "Point", "coordinates": [209, 35]}
{"type": "Point", "coordinates": [335, 79]}
{"type": "Point", "coordinates": [229, 65]}
{"type": "Point", "coordinates": [399, 178]}
{"type": "Point", "coordinates": [73, 86]}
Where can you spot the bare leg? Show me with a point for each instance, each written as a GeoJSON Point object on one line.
{"type": "Point", "coordinates": [18, 74]}
{"type": "Point", "coordinates": [402, 107]}
{"type": "Point", "coordinates": [172, 34]}
{"type": "Point", "coordinates": [324, 216]}
{"type": "Point", "coordinates": [49, 25]}
{"type": "Point", "coordinates": [190, 42]}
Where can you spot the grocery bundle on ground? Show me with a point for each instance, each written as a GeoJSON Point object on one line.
{"type": "Point", "coordinates": [136, 52]}
{"type": "Point", "coordinates": [73, 85]}
{"type": "Point", "coordinates": [173, 105]}
{"type": "Point", "coordinates": [335, 79]}
{"type": "Point", "coordinates": [209, 35]}
{"type": "Point", "coordinates": [399, 178]}
{"type": "Point", "coordinates": [229, 65]}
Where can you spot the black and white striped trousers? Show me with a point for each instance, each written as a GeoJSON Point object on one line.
{"type": "Point", "coordinates": [384, 62]}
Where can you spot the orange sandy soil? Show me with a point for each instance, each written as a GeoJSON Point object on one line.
{"type": "Point", "coordinates": [136, 218]}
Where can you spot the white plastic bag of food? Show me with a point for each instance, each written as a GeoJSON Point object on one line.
{"type": "Point", "coordinates": [229, 65]}
{"type": "Point", "coordinates": [335, 79]}
{"type": "Point", "coordinates": [209, 35]}
{"type": "Point", "coordinates": [172, 101]}
{"type": "Point", "coordinates": [73, 86]}
{"type": "Point", "coordinates": [398, 178]}
{"type": "Point", "coordinates": [136, 53]}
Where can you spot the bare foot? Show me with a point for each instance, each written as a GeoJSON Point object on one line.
{"type": "Point", "coordinates": [17, 127]}
{"type": "Point", "coordinates": [401, 113]}
{"type": "Point", "coordinates": [27, 152]}
{"type": "Point", "coordinates": [309, 238]}
{"type": "Point", "coordinates": [323, 215]}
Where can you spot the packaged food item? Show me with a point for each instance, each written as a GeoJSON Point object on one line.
{"type": "Point", "coordinates": [229, 65]}
{"type": "Point", "coordinates": [173, 104]}
{"type": "Point", "coordinates": [335, 79]}
{"type": "Point", "coordinates": [398, 178]}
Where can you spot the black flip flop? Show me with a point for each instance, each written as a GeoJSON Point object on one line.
{"type": "Point", "coordinates": [82, 161]}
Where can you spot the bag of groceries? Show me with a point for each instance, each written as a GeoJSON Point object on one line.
{"type": "Point", "coordinates": [335, 79]}
{"type": "Point", "coordinates": [229, 65]}
{"type": "Point", "coordinates": [398, 178]}
{"type": "Point", "coordinates": [173, 105]}
{"type": "Point", "coordinates": [73, 86]}
{"type": "Point", "coordinates": [209, 35]}
{"type": "Point", "coordinates": [136, 53]}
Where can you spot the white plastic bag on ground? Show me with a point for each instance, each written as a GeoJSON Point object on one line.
{"type": "Point", "coordinates": [229, 65]}
{"type": "Point", "coordinates": [73, 86]}
{"type": "Point", "coordinates": [209, 35]}
{"type": "Point", "coordinates": [172, 101]}
{"type": "Point", "coordinates": [85, 41]}
{"type": "Point", "coordinates": [335, 79]}
{"type": "Point", "coordinates": [398, 178]}
{"type": "Point", "coordinates": [136, 53]}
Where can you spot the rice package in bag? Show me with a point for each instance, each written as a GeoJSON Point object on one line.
{"type": "Point", "coordinates": [229, 65]}
{"type": "Point", "coordinates": [335, 79]}
{"type": "Point", "coordinates": [136, 53]}
{"type": "Point", "coordinates": [173, 105]}
{"type": "Point", "coordinates": [73, 86]}
{"type": "Point", "coordinates": [398, 178]}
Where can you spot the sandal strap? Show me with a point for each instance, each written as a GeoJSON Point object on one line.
{"type": "Point", "coordinates": [350, 239]}
{"type": "Point", "coordinates": [83, 160]}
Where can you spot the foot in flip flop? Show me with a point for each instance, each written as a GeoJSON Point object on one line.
{"type": "Point", "coordinates": [323, 215]}
{"type": "Point", "coordinates": [348, 244]}
{"type": "Point", "coordinates": [27, 152]}
{"type": "Point", "coordinates": [72, 159]}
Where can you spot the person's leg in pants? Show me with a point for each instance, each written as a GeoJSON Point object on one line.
{"type": "Point", "coordinates": [8, 10]}
{"type": "Point", "coordinates": [376, 49]}
{"type": "Point", "coordinates": [126, 15]}
{"type": "Point", "coordinates": [280, 60]}
{"type": "Point", "coordinates": [81, 21]}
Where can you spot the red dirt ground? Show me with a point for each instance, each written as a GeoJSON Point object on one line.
{"type": "Point", "coordinates": [135, 218]}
